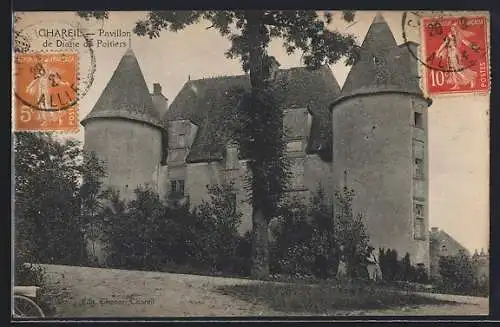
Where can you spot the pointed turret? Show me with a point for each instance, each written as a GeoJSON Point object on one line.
{"type": "Point", "coordinates": [380, 102]}
{"type": "Point", "coordinates": [126, 95]}
{"type": "Point", "coordinates": [382, 66]}
{"type": "Point", "coordinates": [379, 36]}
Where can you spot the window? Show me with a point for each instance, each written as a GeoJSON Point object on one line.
{"type": "Point", "coordinates": [419, 120]}
{"type": "Point", "coordinates": [418, 149]}
{"type": "Point", "coordinates": [231, 157]}
{"type": "Point", "coordinates": [419, 210]}
{"type": "Point", "coordinates": [419, 229]}
{"type": "Point", "coordinates": [418, 213]}
{"type": "Point", "coordinates": [177, 187]}
{"type": "Point", "coordinates": [419, 169]}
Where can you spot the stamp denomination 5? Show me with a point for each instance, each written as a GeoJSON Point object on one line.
{"type": "Point", "coordinates": [46, 88]}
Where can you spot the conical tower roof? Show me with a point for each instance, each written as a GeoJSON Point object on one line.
{"type": "Point", "coordinates": [126, 95]}
{"type": "Point", "coordinates": [383, 66]}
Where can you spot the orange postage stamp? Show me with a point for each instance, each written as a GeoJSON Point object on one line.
{"type": "Point", "coordinates": [46, 91]}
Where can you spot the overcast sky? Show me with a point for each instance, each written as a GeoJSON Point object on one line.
{"type": "Point", "coordinates": [458, 125]}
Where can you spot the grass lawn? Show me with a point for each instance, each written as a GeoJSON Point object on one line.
{"type": "Point", "coordinates": [325, 298]}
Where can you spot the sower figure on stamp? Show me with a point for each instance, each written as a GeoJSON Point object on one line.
{"type": "Point", "coordinates": [44, 81]}
{"type": "Point", "coordinates": [450, 51]}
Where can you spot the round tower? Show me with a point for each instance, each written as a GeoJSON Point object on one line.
{"type": "Point", "coordinates": [380, 144]}
{"type": "Point", "coordinates": [125, 131]}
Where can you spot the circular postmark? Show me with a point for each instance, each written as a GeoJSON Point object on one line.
{"type": "Point", "coordinates": [441, 37]}
{"type": "Point", "coordinates": [54, 64]}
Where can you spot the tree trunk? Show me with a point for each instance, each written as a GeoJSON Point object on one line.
{"type": "Point", "coordinates": [257, 55]}
{"type": "Point", "coordinates": [260, 245]}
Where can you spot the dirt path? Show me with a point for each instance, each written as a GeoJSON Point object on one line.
{"type": "Point", "coordinates": [96, 292]}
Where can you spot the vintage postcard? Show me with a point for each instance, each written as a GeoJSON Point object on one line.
{"type": "Point", "coordinates": [250, 163]}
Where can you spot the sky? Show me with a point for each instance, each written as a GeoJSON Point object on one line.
{"type": "Point", "coordinates": [458, 127]}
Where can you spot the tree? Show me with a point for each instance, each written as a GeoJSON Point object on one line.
{"type": "Point", "coordinates": [304, 241]}
{"type": "Point", "coordinates": [218, 237]}
{"type": "Point", "coordinates": [327, 256]}
{"type": "Point", "coordinates": [47, 207]}
{"type": "Point", "coordinates": [457, 273]}
{"type": "Point", "coordinates": [21, 42]}
{"type": "Point", "coordinates": [352, 238]}
{"type": "Point", "coordinates": [92, 170]}
{"type": "Point", "coordinates": [250, 32]}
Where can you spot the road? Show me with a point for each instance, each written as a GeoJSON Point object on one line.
{"type": "Point", "coordinates": [96, 292]}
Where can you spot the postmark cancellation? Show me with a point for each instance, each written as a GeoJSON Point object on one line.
{"type": "Point", "coordinates": [455, 53]}
{"type": "Point", "coordinates": [46, 91]}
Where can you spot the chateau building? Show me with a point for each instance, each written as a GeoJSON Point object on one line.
{"type": "Point", "coordinates": [370, 136]}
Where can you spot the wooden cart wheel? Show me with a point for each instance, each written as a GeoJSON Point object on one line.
{"type": "Point", "coordinates": [25, 307]}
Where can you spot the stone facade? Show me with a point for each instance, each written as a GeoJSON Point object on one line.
{"type": "Point", "coordinates": [380, 144]}
{"type": "Point", "coordinates": [374, 152]}
{"type": "Point", "coordinates": [375, 129]}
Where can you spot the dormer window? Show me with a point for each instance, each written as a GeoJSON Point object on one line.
{"type": "Point", "coordinates": [377, 61]}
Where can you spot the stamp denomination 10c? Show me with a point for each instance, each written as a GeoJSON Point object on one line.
{"type": "Point", "coordinates": [455, 50]}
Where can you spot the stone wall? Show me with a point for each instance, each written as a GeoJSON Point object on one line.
{"type": "Point", "coordinates": [131, 151]}
{"type": "Point", "coordinates": [372, 153]}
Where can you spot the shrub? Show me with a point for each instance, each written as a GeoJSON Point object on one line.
{"type": "Point", "coordinates": [312, 241]}
{"type": "Point", "coordinates": [394, 269]}
{"type": "Point", "coordinates": [146, 234]}
{"type": "Point", "coordinates": [47, 204]}
{"type": "Point", "coordinates": [291, 249]}
{"type": "Point", "coordinates": [352, 237]}
{"type": "Point", "coordinates": [456, 274]}
{"type": "Point", "coordinates": [217, 222]}
{"type": "Point", "coordinates": [133, 231]}
{"type": "Point", "coordinates": [243, 255]}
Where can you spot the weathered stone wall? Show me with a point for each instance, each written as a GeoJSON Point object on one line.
{"type": "Point", "coordinates": [131, 151]}
{"type": "Point", "coordinates": [373, 153]}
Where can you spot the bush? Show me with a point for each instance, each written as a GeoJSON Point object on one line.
{"type": "Point", "coordinates": [146, 234]}
{"type": "Point", "coordinates": [394, 269]}
{"type": "Point", "coordinates": [312, 241]}
{"type": "Point", "coordinates": [217, 237]}
{"type": "Point", "coordinates": [243, 255]}
{"type": "Point", "coordinates": [47, 224]}
{"type": "Point", "coordinates": [456, 274]}
{"type": "Point", "coordinates": [291, 252]}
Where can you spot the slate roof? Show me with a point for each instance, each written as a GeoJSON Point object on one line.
{"type": "Point", "coordinates": [439, 238]}
{"type": "Point", "coordinates": [383, 66]}
{"type": "Point", "coordinates": [126, 95]}
{"type": "Point", "coordinates": [199, 100]}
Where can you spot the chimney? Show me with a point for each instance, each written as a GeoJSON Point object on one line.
{"type": "Point", "coordinates": [159, 100]}
{"type": "Point", "coordinates": [434, 229]}
{"type": "Point", "coordinates": [156, 89]}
